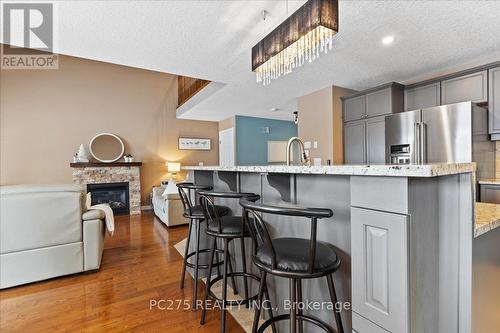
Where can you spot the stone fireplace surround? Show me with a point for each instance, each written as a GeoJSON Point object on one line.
{"type": "Point", "coordinates": [117, 172]}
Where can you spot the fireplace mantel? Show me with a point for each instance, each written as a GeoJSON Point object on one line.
{"type": "Point", "coordinates": [103, 165]}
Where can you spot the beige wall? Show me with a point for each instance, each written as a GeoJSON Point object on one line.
{"type": "Point", "coordinates": [320, 119]}
{"type": "Point", "coordinates": [46, 114]}
{"type": "Point", "coordinates": [226, 123]}
{"type": "Point", "coordinates": [315, 122]}
{"type": "Point", "coordinates": [338, 123]}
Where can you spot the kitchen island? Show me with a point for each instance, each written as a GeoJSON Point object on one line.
{"type": "Point", "coordinates": [404, 234]}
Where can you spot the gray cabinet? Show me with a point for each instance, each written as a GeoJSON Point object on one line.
{"type": "Point", "coordinates": [354, 142]}
{"type": "Point", "coordinates": [379, 103]}
{"type": "Point", "coordinates": [354, 108]}
{"type": "Point", "coordinates": [364, 124]}
{"type": "Point", "coordinates": [494, 103]}
{"type": "Point", "coordinates": [490, 193]}
{"type": "Point", "coordinates": [471, 87]}
{"type": "Point", "coordinates": [375, 140]}
{"type": "Point", "coordinates": [423, 96]}
{"type": "Point", "coordinates": [382, 100]}
{"type": "Point", "coordinates": [379, 263]}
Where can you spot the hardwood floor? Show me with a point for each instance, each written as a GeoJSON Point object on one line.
{"type": "Point", "coordinates": [139, 264]}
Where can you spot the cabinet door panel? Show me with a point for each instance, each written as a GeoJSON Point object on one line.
{"type": "Point", "coordinates": [379, 248]}
{"type": "Point", "coordinates": [354, 142]}
{"type": "Point", "coordinates": [379, 103]}
{"type": "Point", "coordinates": [354, 108]}
{"type": "Point", "coordinates": [472, 87]}
{"type": "Point", "coordinates": [423, 97]}
{"type": "Point", "coordinates": [363, 325]}
{"type": "Point", "coordinates": [375, 140]}
{"type": "Point", "coordinates": [494, 101]}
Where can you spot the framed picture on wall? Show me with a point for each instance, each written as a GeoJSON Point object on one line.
{"type": "Point", "coordinates": [195, 144]}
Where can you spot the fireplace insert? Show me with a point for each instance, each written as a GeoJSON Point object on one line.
{"type": "Point", "coordinates": [114, 194]}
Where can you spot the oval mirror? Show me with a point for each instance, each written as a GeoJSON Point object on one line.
{"type": "Point", "coordinates": [106, 147]}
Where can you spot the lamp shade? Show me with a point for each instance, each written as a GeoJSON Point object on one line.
{"type": "Point", "coordinates": [173, 166]}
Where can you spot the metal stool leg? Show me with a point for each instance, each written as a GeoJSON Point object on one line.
{"type": "Point", "coordinates": [233, 282]}
{"type": "Point", "coordinates": [224, 287]}
{"type": "Point", "coordinates": [196, 257]}
{"type": "Point", "coordinates": [269, 310]}
{"type": "Point", "coordinates": [244, 263]}
{"type": "Point", "coordinates": [259, 301]}
{"type": "Point", "coordinates": [333, 296]}
{"type": "Point", "coordinates": [293, 302]}
{"type": "Point", "coordinates": [218, 246]}
{"type": "Point", "coordinates": [299, 303]}
{"type": "Point", "coordinates": [186, 252]}
{"type": "Point", "coordinates": [209, 278]}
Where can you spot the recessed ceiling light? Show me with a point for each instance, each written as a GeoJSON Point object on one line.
{"type": "Point", "coordinates": [387, 40]}
{"type": "Point", "coordinates": [275, 109]}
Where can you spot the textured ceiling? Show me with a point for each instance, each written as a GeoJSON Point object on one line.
{"type": "Point", "coordinates": [213, 40]}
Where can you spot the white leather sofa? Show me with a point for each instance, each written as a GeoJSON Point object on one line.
{"type": "Point", "coordinates": [44, 233]}
{"type": "Point", "coordinates": [168, 208]}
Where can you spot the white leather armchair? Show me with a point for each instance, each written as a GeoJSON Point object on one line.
{"type": "Point", "coordinates": [44, 233]}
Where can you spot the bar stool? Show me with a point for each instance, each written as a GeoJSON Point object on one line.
{"type": "Point", "coordinates": [227, 228]}
{"type": "Point", "coordinates": [195, 215]}
{"type": "Point", "coordinates": [292, 258]}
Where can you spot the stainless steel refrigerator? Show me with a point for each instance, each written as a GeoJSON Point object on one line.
{"type": "Point", "coordinates": [448, 133]}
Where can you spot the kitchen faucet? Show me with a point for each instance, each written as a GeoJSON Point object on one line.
{"type": "Point", "coordinates": [304, 159]}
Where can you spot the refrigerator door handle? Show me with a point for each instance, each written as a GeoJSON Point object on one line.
{"type": "Point", "coordinates": [416, 134]}
{"type": "Point", "coordinates": [423, 143]}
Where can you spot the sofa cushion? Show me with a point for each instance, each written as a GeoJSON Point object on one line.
{"type": "Point", "coordinates": [39, 188]}
{"type": "Point", "coordinates": [39, 216]}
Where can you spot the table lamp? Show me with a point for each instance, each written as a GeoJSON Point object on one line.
{"type": "Point", "coordinates": [173, 168]}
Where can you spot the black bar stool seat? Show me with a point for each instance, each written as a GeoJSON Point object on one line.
{"type": "Point", "coordinates": [228, 226]}
{"type": "Point", "coordinates": [292, 256]}
{"type": "Point", "coordinates": [196, 212]}
{"type": "Point", "coordinates": [196, 216]}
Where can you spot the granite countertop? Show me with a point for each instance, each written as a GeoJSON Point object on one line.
{"type": "Point", "coordinates": [487, 218]}
{"type": "Point", "coordinates": [424, 170]}
{"type": "Point", "coordinates": [489, 181]}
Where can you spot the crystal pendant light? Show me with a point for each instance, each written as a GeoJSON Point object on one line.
{"type": "Point", "coordinates": [301, 38]}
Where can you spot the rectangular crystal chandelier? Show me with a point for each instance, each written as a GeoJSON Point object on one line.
{"type": "Point", "coordinates": [301, 38]}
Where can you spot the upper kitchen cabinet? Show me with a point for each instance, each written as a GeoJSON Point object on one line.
{"type": "Point", "coordinates": [364, 122]}
{"type": "Point", "coordinates": [494, 103]}
{"type": "Point", "coordinates": [382, 100]}
{"type": "Point", "coordinates": [423, 96]}
{"type": "Point", "coordinates": [471, 87]}
{"type": "Point", "coordinates": [379, 103]}
{"type": "Point", "coordinates": [354, 108]}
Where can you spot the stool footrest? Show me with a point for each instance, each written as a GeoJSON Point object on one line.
{"type": "Point", "coordinates": [310, 319]}
{"type": "Point", "coordinates": [203, 266]}
{"type": "Point", "coordinates": [232, 302]}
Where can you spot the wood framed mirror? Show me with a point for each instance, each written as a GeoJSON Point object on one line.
{"type": "Point", "coordinates": [106, 147]}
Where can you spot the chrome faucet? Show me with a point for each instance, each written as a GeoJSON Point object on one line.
{"type": "Point", "coordinates": [304, 159]}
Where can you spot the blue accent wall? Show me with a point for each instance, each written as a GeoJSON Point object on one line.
{"type": "Point", "coordinates": [251, 141]}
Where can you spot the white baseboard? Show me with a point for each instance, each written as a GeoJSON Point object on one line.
{"type": "Point", "coordinates": [147, 207]}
